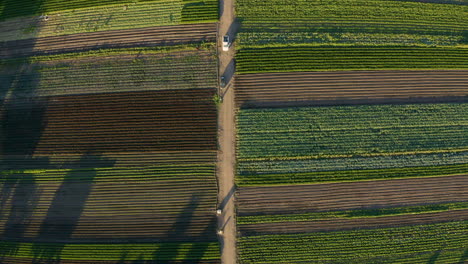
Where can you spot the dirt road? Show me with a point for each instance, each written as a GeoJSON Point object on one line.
{"type": "Point", "coordinates": [226, 221]}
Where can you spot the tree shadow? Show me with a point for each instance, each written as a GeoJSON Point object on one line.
{"type": "Point", "coordinates": [464, 257]}
{"type": "Point", "coordinates": [167, 252]}
{"type": "Point", "coordinates": [66, 209]}
{"type": "Point", "coordinates": [197, 251]}
{"type": "Point", "coordinates": [434, 257]}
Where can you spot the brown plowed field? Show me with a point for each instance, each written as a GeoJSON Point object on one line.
{"type": "Point", "coordinates": [117, 122]}
{"type": "Point", "coordinates": [339, 87]}
{"type": "Point", "coordinates": [338, 224]}
{"type": "Point", "coordinates": [153, 36]}
{"type": "Point", "coordinates": [354, 195]}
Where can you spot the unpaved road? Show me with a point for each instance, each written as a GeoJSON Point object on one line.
{"type": "Point", "coordinates": [226, 123]}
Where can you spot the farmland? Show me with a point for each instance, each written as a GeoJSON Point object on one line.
{"type": "Point", "coordinates": [108, 132]}
{"type": "Point", "coordinates": [95, 169]}
{"type": "Point", "coordinates": [116, 70]}
{"type": "Point", "coordinates": [272, 89]}
{"type": "Point", "coordinates": [352, 183]}
{"type": "Point", "coordinates": [142, 37]}
{"type": "Point", "coordinates": [375, 22]}
{"type": "Point", "coordinates": [349, 220]}
{"type": "Point", "coordinates": [316, 144]}
{"type": "Point", "coordinates": [89, 16]}
{"type": "Point", "coordinates": [329, 58]}
{"type": "Point", "coordinates": [411, 244]}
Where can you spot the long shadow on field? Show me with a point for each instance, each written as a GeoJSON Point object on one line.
{"type": "Point", "coordinates": [198, 250]}
{"type": "Point", "coordinates": [434, 257]}
{"type": "Point", "coordinates": [168, 252]}
{"type": "Point", "coordinates": [464, 257]}
{"type": "Point", "coordinates": [65, 210]}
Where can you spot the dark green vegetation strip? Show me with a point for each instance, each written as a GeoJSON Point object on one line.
{"type": "Point", "coordinates": [123, 252]}
{"type": "Point", "coordinates": [177, 173]}
{"type": "Point", "coordinates": [350, 175]}
{"type": "Point", "coordinates": [323, 58]}
{"type": "Point", "coordinates": [267, 136]}
{"type": "Point", "coordinates": [199, 10]}
{"type": "Point", "coordinates": [387, 245]}
{"type": "Point", "coordinates": [430, 208]}
{"type": "Point", "coordinates": [15, 8]}
{"type": "Point", "coordinates": [351, 130]}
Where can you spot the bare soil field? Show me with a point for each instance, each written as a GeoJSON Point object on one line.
{"type": "Point", "coordinates": [117, 122]}
{"type": "Point", "coordinates": [339, 224]}
{"type": "Point", "coordinates": [141, 37]}
{"type": "Point", "coordinates": [266, 89]}
{"type": "Point", "coordinates": [346, 196]}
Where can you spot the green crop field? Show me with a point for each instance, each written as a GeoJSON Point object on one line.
{"type": "Point", "coordinates": [342, 143]}
{"type": "Point", "coordinates": [361, 213]}
{"type": "Point", "coordinates": [284, 36]}
{"type": "Point", "coordinates": [119, 70]}
{"type": "Point", "coordinates": [332, 58]}
{"type": "Point", "coordinates": [444, 243]}
{"type": "Point", "coordinates": [114, 252]}
{"type": "Point", "coordinates": [92, 16]}
{"type": "Point", "coordinates": [352, 21]}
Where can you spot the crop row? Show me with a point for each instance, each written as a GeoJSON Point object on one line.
{"type": "Point", "coordinates": [166, 203]}
{"type": "Point", "coordinates": [342, 87]}
{"type": "Point", "coordinates": [374, 10]}
{"type": "Point", "coordinates": [246, 167]}
{"type": "Point", "coordinates": [189, 69]}
{"type": "Point", "coordinates": [350, 175]}
{"type": "Point", "coordinates": [117, 122]}
{"type": "Point", "coordinates": [341, 130]}
{"type": "Point", "coordinates": [195, 11]}
{"type": "Point", "coordinates": [258, 200]}
{"type": "Point", "coordinates": [17, 163]}
{"type": "Point", "coordinates": [142, 37]}
{"type": "Point", "coordinates": [64, 20]}
{"type": "Point", "coordinates": [43, 252]}
{"type": "Point", "coordinates": [323, 58]}
{"type": "Point", "coordinates": [363, 246]}
{"type": "Point", "coordinates": [351, 21]}
{"type": "Point", "coordinates": [361, 213]}
{"type": "Point", "coordinates": [259, 39]}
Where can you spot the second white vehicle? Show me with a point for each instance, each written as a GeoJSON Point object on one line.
{"type": "Point", "coordinates": [226, 43]}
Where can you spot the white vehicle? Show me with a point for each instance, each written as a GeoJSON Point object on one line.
{"type": "Point", "coordinates": [226, 43]}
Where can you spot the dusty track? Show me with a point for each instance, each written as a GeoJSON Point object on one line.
{"type": "Point", "coordinates": [354, 195]}
{"type": "Point", "coordinates": [153, 36]}
{"type": "Point", "coordinates": [349, 224]}
{"type": "Point", "coordinates": [345, 86]}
